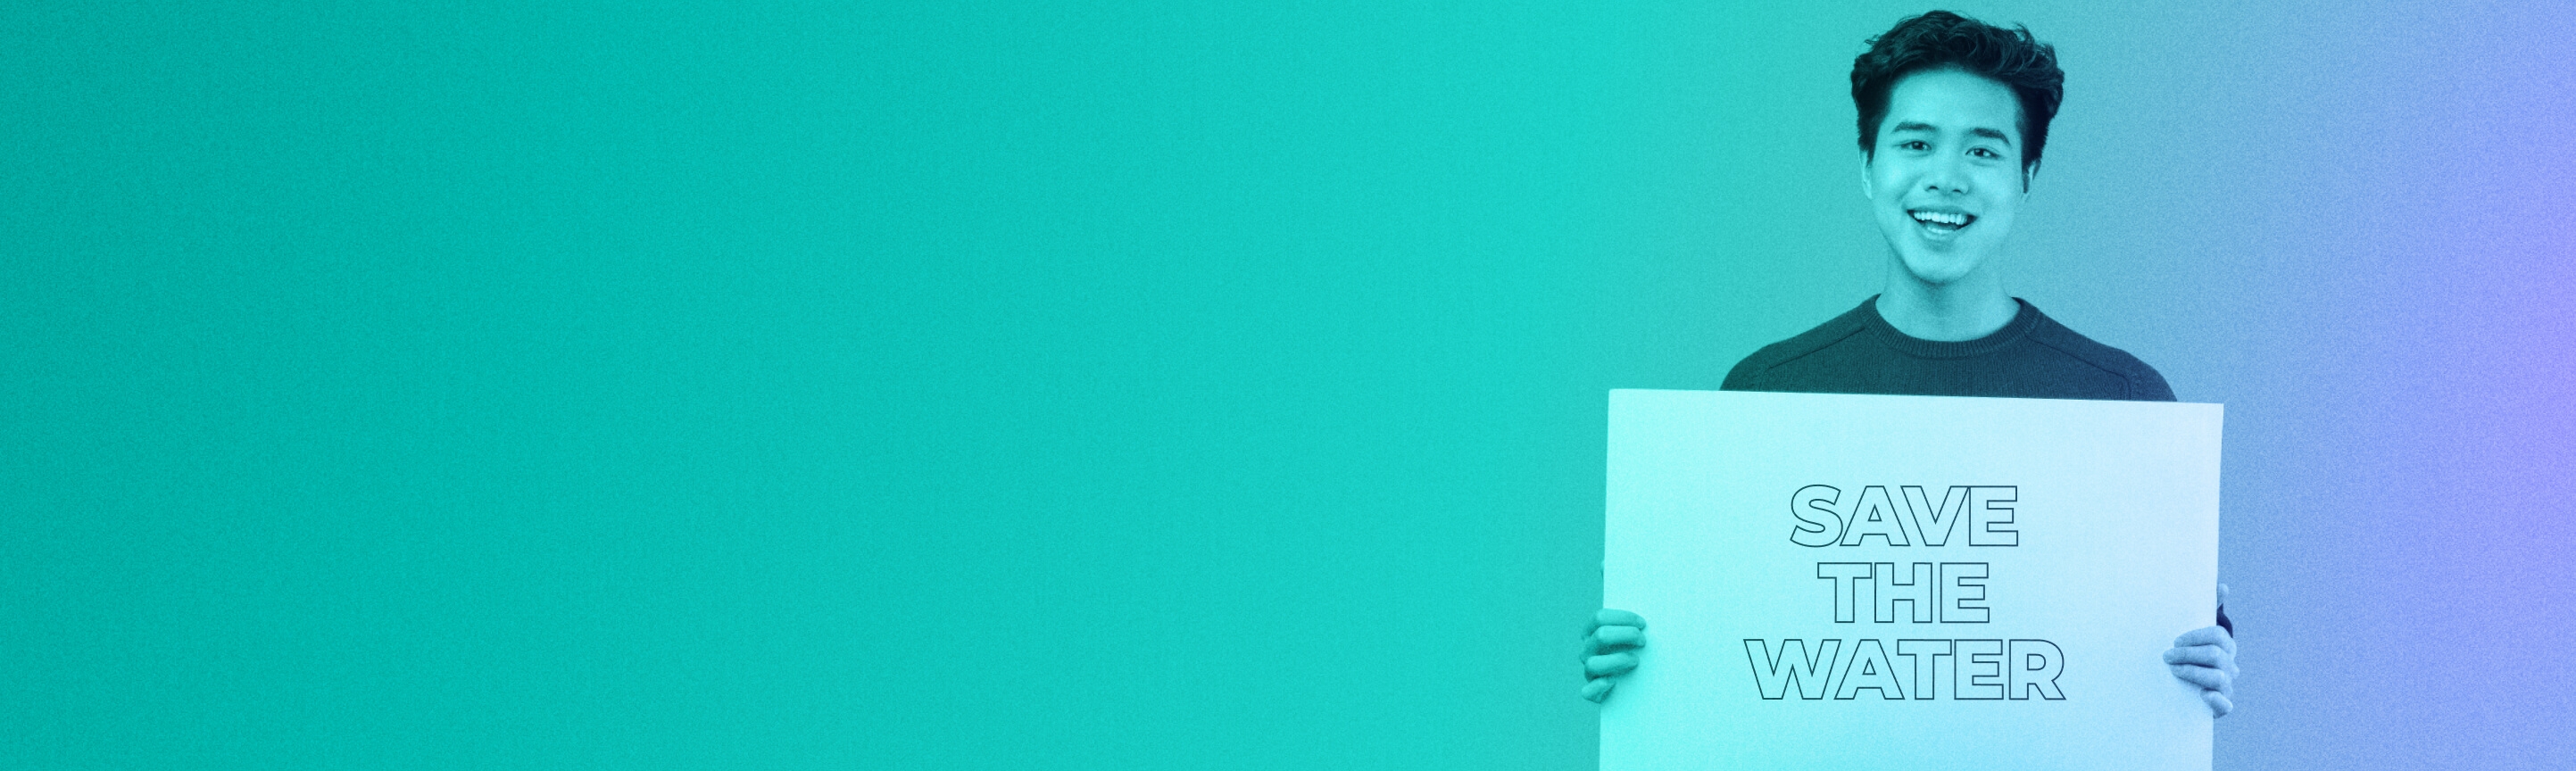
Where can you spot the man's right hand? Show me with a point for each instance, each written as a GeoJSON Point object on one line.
{"type": "Point", "coordinates": [1609, 650]}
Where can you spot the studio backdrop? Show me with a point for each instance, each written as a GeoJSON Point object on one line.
{"type": "Point", "coordinates": [1165, 385]}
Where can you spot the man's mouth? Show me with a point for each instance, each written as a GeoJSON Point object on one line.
{"type": "Point", "coordinates": [1941, 222]}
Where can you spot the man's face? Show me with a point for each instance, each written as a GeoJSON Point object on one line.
{"type": "Point", "coordinates": [1947, 175]}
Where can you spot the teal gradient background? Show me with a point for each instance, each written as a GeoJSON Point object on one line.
{"type": "Point", "coordinates": [974, 385]}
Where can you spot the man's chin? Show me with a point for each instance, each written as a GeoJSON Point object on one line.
{"type": "Point", "coordinates": [1937, 272]}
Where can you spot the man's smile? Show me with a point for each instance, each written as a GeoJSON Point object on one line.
{"type": "Point", "coordinates": [1942, 221]}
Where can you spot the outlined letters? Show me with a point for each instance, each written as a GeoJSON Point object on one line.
{"type": "Point", "coordinates": [1823, 519]}
{"type": "Point", "coordinates": [1909, 592]}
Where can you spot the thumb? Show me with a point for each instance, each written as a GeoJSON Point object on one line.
{"type": "Point", "coordinates": [2222, 595]}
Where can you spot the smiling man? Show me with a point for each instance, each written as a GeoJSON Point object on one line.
{"type": "Point", "coordinates": [1953, 115]}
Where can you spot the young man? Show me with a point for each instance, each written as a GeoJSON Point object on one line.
{"type": "Point", "coordinates": [1953, 114]}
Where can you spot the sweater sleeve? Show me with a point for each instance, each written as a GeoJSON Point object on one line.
{"type": "Point", "coordinates": [2147, 385]}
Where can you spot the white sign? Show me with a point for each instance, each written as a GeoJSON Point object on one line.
{"type": "Point", "coordinates": [1872, 582]}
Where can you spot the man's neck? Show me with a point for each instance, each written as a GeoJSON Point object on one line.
{"type": "Point", "coordinates": [1972, 307]}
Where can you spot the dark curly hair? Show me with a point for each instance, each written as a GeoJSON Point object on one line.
{"type": "Point", "coordinates": [1945, 40]}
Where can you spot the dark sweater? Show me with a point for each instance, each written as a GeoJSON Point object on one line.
{"type": "Point", "coordinates": [2032, 357]}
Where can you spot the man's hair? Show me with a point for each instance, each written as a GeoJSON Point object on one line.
{"type": "Point", "coordinates": [1945, 40]}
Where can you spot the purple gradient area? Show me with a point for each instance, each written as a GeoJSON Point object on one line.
{"type": "Point", "coordinates": [2400, 472]}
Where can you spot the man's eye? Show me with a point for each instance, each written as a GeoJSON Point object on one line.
{"type": "Point", "coordinates": [1985, 153]}
{"type": "Point", "coordinates": [1912, 144]}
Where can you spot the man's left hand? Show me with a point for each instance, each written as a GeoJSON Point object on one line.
{"type": "Point", "coordinates": [2206, 657]}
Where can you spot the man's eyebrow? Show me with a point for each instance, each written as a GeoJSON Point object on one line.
{"type": "Point", "coordinates": [1916, 125]}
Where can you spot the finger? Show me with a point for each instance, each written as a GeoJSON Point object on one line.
{"type": "Point", "coordinates": [1612, 639]}
{"type": "Point", "coordinates": [2207, 635]}
{"type": "Point", "coordinates": [2219, 704]}
{"type": "Point", "coordinates": [2208, 679]}
{"type": "Point", "coordinates": [2210, 656]}
{"type": "Point", "coordinates": [1617, 636]}
{"type": "Point", "coordinates": [1616, 617]}
{"type": "Point", "coordinates": [2222, 595]}
{"type": "Point", "coordinates": [1597, 690]}
{"type": "Point", "coordinates": [1611, 665]}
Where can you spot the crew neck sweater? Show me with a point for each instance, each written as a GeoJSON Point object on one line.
{"type": "Point", "coordinates": [2031, 357]}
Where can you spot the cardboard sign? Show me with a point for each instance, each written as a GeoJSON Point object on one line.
{"type": "Point", "coordinates": [1869, 582]}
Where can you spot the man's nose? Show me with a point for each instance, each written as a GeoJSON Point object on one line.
{"type": "Point", "coordinates": [1946, 177]}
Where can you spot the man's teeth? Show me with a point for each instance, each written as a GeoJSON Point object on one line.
{"type": "Point", "coordinates": [1941, 217]}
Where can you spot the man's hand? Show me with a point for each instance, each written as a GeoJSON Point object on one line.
{"type": "Point", "coordinates": [1609, 650]}
{"type": "Point", "coordinates": [2206, 657]}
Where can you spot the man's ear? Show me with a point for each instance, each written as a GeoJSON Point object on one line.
{"type": "Point", "coordinates": [2028, 170]}
{"type": "Point", "coordinates": [1865, 191]}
